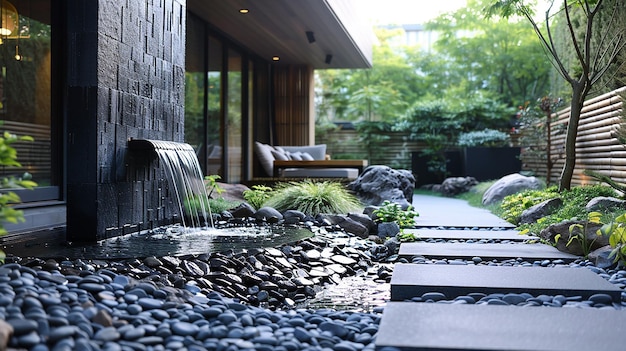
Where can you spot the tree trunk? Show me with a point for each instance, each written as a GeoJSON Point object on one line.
{"type": "Point", "coordinates": [576, 107]}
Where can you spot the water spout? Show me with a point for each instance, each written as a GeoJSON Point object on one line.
{"type": "Point", "coordinates": [184, 175]}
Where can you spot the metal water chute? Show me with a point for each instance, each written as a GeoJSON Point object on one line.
{"type": "Point", "coordinates": [184, 175]}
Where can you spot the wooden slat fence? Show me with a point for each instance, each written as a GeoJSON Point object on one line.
{"type": "Point", "coordinates": [598, 145]}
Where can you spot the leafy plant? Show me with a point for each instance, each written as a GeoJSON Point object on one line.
{"type": "Point", "coordinates": [312, 197]}
{"type": "Point", "coordinates": [616, 230]}
{"type": "Point", "coordinates": [578, 232]}
{"type": "Point", "coordinates": [406, 237]}
{"type": "Point", "coordinates": [8, 158]}
{"type": "Point", "coordinates": [513, 205]}
{"type": "Point", "coordinates": [486, 137]}
{"type": "Point", "coordinates": [393, 212]}
{"type": "Point", "coordinates": [257, 195]}
{"type": "Point", "coordinates": [212, 185]}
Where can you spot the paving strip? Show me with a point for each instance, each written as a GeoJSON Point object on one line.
{"type": "Point", "coordinates": [411, 280]}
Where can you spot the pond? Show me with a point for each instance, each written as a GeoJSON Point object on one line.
{"type": "Point", "coordinates": [167, 241]}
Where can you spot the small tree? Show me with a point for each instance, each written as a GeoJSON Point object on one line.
{"type": "Point", "coordinates": [595, 51]}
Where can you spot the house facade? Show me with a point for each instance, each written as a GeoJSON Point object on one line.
{"type": "Point", "coordinates": [84, 77]}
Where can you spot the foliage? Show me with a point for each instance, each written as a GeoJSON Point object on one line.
{"type": "Point", "coordinates": [577, 232]}
{"type": "Point", "coordinates": [513, 205]}
{"type": "Point", "coordinates": [8, 158]}
{"type": "Point", "coordinates": [485, 138]}
{"type": "Point", "coordinates": [257, 195]}
{"type": "Point", "coordinates": [220, 205]}
{"type": "Point", "coordinates": [406, 237]}
{"type": "Point", "coordinates": [596, 45]}
{"type": "Point", "coordinates": [616, 231]}
{"type": "Point", "coordinates": [373, 136]}
{"type": "Point", "coordinates": [501, 56]}
{"type": "Point", "coordinates": [474, 197]}
{"type": "Point", "coordinates": [535, 122]}
{"type": "Point", "coordinates": [393, 212]}
{"type": "Point", "coordinates": [212, 184]}
{"type": "Point", "coordinates": [312, 197]}
{"type": "Point", "coordinates": [573, 208]}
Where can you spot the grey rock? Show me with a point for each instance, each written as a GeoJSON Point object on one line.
{"type": "Point", "coordinates": [379, 183]}
{"type": "Point", "coordinates": [593, 240]}
{"type": "Point", "coordinates": [388, 229]}
{"type": "Point", "coordinates": [603, 203]}
{"type": "Point", "coordinates": [268, 214]}
{"type": "Point", "coordinates": [508, 185]}
{"type": "Point", "coordinates": [601, 257]}
{"type": "Point", "coordinates": [540, 210]}
{"type": "Point", "coordinates": [244, 210]}
{"type": "Point", "coordinates": [457, 185]}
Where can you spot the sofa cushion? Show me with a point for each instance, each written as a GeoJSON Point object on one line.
{"type": "Point", "coordinates": [280, 155]}
{"type": "Point", "coordinates": [318, 152]}
{"type": "Point", "coordinates": [264, 153]}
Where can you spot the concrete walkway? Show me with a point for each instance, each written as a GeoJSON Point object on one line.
{"type": "Point", "coordinates": [438, 211]}
{"type": "Point", "coordinates": [456, 324]}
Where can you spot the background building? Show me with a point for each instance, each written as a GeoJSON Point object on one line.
{"type": "Point", "coordinates": [86, 76]}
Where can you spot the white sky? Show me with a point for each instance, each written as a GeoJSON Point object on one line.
{"type": "Point", "coordinates": [381, 12]}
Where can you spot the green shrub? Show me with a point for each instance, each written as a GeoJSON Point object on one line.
{"type": "Point", "coordinates": [616, 230]}
{"type": "Point", "coordinates": [513, 205]}
{"type": "Point", "coordinates": [573, 208]}
{"type": "Point", "coordinates": [8, 158]}
{"type": "Point", "coordinates": [393, 212]}
{"type": "Point", "coordinates": [485, 137]}
{"type": "Point", "coordinates": [257, 196]}
{"type": "Point", "coordinates": [312, 198]}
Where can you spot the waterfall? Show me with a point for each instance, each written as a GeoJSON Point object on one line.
{"type": "Point", "coordinates": [185, 177]}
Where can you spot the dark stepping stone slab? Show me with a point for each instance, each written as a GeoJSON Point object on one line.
{"type": "Point", "coordinates": [469, 234]}
{"type": "Point", "coordinates": [485, 251]}
{"type": "Point", "coordinates": [411, 280]}
{"type": "Point", "coordinates": [432, 326]}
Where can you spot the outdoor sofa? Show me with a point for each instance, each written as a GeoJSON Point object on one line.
{"type": "Point", "coordinates": [305, 162]}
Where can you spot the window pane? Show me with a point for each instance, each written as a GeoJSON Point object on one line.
{"type": "Point", "coordinates": [234, 116]}
{"type": "Point", "coordinates": [25, 81]}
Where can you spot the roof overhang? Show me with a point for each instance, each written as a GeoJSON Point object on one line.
{"type": "Point", "coordinates": [320, 33]}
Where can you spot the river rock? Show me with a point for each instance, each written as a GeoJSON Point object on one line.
{"type": "Point", "coordinates": [457, 185]}
{"type": "Point", "coordinates": [594, 241]}
{"type": "Point", "coordinates": [603, 203]}
{"type": "Point", "coordinates": [540, 210]}
{"type": "Point", "coordinates": [379, 183]}
{"type": "Point", "coordinates": [508, 185]}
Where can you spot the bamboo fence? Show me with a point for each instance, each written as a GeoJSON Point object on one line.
{"type": "Point", "coordinates": [598, 145]}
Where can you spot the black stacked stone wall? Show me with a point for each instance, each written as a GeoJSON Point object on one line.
{"type": "Point", "coordinates": [126, 65]}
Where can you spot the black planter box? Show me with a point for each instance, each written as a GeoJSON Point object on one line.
{"type": "Point", "coordinates": [488, 163]}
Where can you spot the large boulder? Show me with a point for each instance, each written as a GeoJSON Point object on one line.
{"type": "Point", "coordinates": [379, 183]}
{"type": "Point", "coordinates": [603, 203]}
{"type": "Point", "coordinates": [508, 185]}
{"type": "Point", "coordinates": [540, 210]}
{"type": "Point", "coordinates": [592, 240]}
{"type": "Point", "coordinates": [457, 185]}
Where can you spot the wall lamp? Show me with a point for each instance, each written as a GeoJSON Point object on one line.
{"type": "Point", "coordinates": [328, 59]}
{"type": "Point", "coordinates": [310, 37]}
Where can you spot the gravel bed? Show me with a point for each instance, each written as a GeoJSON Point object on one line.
{"type": "Point", "coordinates": [322, 293]}
{"type": "Point", "coordinates": [247, 300]}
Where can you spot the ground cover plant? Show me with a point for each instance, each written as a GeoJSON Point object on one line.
{"type": "Point", "coordinates": [313, 197]}
{"type": "Point", "coordinates": [573, 208]}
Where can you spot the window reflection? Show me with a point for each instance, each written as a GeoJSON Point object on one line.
{"type": "Point", "coordinates": [25, 87]}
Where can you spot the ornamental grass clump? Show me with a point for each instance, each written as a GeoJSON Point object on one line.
{"type": "Point", "coordinates": [312, 198]}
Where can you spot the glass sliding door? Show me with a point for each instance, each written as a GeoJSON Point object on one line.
{"type": "Point", "coordinates": [233, 118]}
{"type": "Point", "coordinates": [26, 107]}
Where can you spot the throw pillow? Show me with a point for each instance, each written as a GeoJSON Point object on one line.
{"type": "Point", "coordinates": [264, 153]}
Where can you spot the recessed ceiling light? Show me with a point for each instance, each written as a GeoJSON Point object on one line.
{"type": "Point", "coordinates": [275, 58]}
{"type": "Point", "coordinates": [244, 11]}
